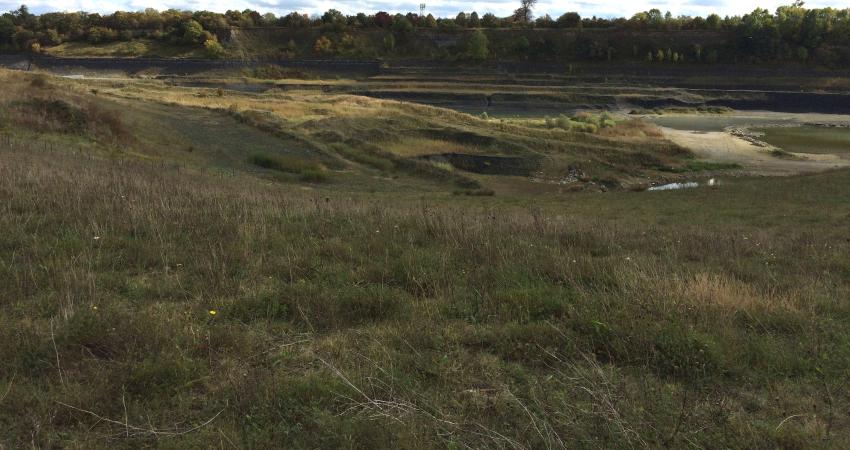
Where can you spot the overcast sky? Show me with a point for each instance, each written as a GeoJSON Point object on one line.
{"type": "Point", "coordinates": [587, 8]}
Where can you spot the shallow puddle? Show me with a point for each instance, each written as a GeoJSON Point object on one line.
{"type": "Point", "coordinates": [809, 139]}
{"type": "Point", "coordinates": [712, 122]}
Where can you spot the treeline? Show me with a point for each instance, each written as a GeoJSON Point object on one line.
{"type": "Point", "coordinates": [790, 33]}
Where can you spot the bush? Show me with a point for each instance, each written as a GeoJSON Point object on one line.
{"type": "Point", "coordinates": [213, 49]}
{"type": "Point", "coordinates": [192, 32]}
{"type": "Point", "coordinates": [323, 45]}
{"type": "Point", "coordinates": [282, 163]}
{"type": "Point", "coordinates": [563, 122]}
{"type": "Point", "coordinates": [583, 127]}
{"type": "Point", "coordinates": [39, 81]}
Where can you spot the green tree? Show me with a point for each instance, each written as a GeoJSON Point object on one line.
{"type": "Point", "coordinates": [522, 46]}
{"type": "Point", "coordinates": [490, 20]}
{"type": "Point", "coordinates": [192, 32]}
{"type": "Point", "coordinates": [473, 21]}
{"type": "Point", "coordinates": [333, 16]}
{"type": "Point", "coordinates": [291, 49]}
{"type": "Point", "coordinates": [51, 37]}
{"type": "Point", "coordinates": [7, 29]}
{"type": "Point", "coordinates": [712, 21]}
{"type": "Point", "coordinates": [569, 20]}
{"type": "Point", "coordinates": [213, 49]}
{"type": "Point", "coordinates": [295, 20]}
{"type": "Point", "coordinates": [429, 21]}
{"type": "Point", "coordinates": [401, 25]}
{"type": "Point", "coordinates": [477, 46]}
{"type": "Point", "coordinates": [757, 35]}
{"type": "Point", "coordinates": [654, 17]}
{"type": "Point", "coordinates": [544, 21]}
{"type": "Point", "coordinates": [269, 19]}
{"type": "Point", "coordinates": [460, 19]}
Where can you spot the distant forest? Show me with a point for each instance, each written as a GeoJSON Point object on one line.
{"type": "Point", "coordinates": [791, 33]}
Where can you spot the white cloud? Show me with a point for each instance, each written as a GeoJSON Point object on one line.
{"type": "Point", "coordinates": [587, 8]}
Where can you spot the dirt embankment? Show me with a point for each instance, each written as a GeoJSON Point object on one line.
{"type": "Point", "coordinates": [508, 87]}
{"type": "Point", "coordinates": [179, 66]}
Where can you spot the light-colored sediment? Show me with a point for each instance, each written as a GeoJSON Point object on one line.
{"type": "Point", "coordinates": [720, 146]}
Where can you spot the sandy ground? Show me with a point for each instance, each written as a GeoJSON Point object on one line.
{"type": "Point", "coordinates": [720, 146]}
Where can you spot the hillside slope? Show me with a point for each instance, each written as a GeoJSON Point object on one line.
{"type": "Point", "coordinates": [161, 286]}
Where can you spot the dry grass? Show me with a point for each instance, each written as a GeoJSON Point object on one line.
{"type": "Point", "coordinates": [632, 128]}
{"type": "Point", "coordinates": [421, 146]}
{"type": "Point", "coordinates": [726, 297]}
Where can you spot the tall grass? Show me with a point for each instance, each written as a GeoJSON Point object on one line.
{"type": "Point", "coordinates": [617, 321]}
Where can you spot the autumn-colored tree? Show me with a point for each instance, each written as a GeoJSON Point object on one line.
{"type": "Point", "coordinates": [323, 45]}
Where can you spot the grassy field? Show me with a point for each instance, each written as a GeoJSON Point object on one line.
{"type": "Point", "coordinates": [161, 297]}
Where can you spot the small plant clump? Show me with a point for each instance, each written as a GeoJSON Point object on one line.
{"type": "Point", "coordinates": [306, 170]}
{"type": "Point", "coordinates": [582, 122]}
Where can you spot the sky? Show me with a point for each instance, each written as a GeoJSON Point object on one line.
{"type": "Point", "coordinates": [587, 8]}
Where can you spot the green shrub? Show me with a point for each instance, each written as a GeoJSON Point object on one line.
{"type": "Point", "coordinates": [583, 127]}
{"type": "Point", "coordinates": [213, 49]}
{"type": "Point", "coordinates": [39, 81]}
{"type": "Point", "coordinates": [563, 122]}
